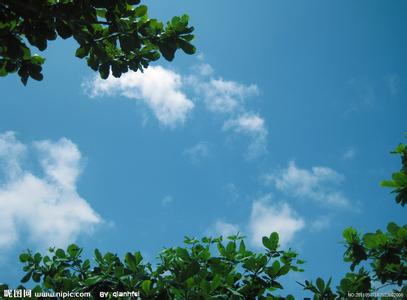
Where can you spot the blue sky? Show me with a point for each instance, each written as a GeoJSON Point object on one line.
{"type": "Point", "coordinates": [283, 120]}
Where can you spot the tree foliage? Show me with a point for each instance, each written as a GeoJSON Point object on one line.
{"type": "Point", "coordinates": [113, 35]}
{"type": "Point", "coordinates": [379, 257]}
{"type": "Point", "coordinates": [399, 179]}
{"type": "Point", "coordinates": [205, 269]}
{"type": "Point", "coordinates": [216, 269]}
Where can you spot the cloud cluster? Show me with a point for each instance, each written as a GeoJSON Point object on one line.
{"type": "Point", "coordinates": [228, 98]}
{"type": "Point", "coordinates": [225, 229]}
{"type": "Point", "coordinates": [168, 95]}
{"type": "Point", "coordinates": [318, 184]}
{"type": "Point", "coordinates": [222, 96]}
{"type": "Point", "coordinates": [48, 208]}
{"type": "Point", "coordinates": [159, 88]}
{"type": "Point", "coordinates": [254, 126]}
{"type": "Point", "coordinates": [266, 217]}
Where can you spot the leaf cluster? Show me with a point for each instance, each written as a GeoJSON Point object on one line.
{"type": "Point", "coordinates": [384, 252]}
{"type": "Point", "coordinates": [399, 179]}
{"type": "Point", "coordinates": [209, 268]}
{"type": "Point", "coordinates": [113, 35]}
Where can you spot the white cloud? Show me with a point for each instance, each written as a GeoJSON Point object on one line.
{"type": "Point", "coordinates": [254, 126]}
{"type": "Point", "coordinates": [11, 152]}
{"type": "Point", "coordinates": [349, 154]}
{"type": "Point", "coordinates": [165, 94]}
{"type": "Point", "coordinates": [320, 223]}
{"type": "Point", "coordinates": [204, 69]}
{"type": "Point", "coordinates": [197, 152]}
{"type": "Point", "coordinates": [267, 217]}
{"type": "Point", "coordinates": [247, 123]}
{"type": "Point", "coordinates": [60, 161]}
{"type": "Point", "coordinates": [318, 184]}
{"type": "Point", "coordinates": [225, 229]}
{"type": "Point", "coordinates": [159, 88]}
{"type": "Point", "coordinates": [222, 96]}
{"type": "Point", "coordinates": [47, 208]}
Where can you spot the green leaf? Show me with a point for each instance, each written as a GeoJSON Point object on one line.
{"type": "Point", "coordinates": [400, 149]}
{"type": "Point", "coordinates": [98, 256]}
{"type": "Point", "coordinates": [221, 249]}
{"type": "Point", "coordinates": [231, 247]}
{"type": "Point", "coordinates": [104, 70]}
{"type": "Point", "coordinates": [183, 253]}
{"type": "Point", "coordinates": [36, 59]}
{"type": "Point", "coordinates": [36, 277]}
{"type": "Point", "coordinates": [192, 269]}
{"type": "Point", "coordinates": [64, 30]}
{"type": "Point", "coordinates": [400, 179]}
{"type": "Point", "coordinates": [266, 242]}
{"type": "Point", "coordinates": [393, 228]}
{"type": "Point", "coordinates": [128, 43]}
{"type": "Point", "coordinates": [26, 277]}
{"type": "Point", "coordinates": [370, 240]}
{"type": "Point", "coordinates": [101, 12]}
{"type": "Point", "coordinates": [141, 11]}
{"type": "Point", "coordinates": [242, 247]}
{"type": "Point", "coordinates": [146, 286]}
{"type": "Point", "coordinates": [93, 280]}
{"type": "Point", "coordinates": [82, 51]}
{"type": "Point", "coordinates": [26, 53]}
{"type": "Point", "coordinates": [187, 47]}
{"type": "Point", "coordinates": [389, 184]}
{"type": "Point", "coordinates": [60, 253]}
{"type": "Point", "coordinates": [73, 250]}
{"type": "Point", "coordinates": [131, 261]}
{"type": "Point", "coordinates": [168, 51]}
{"type": "Point", "coordinates": [349, 234]}
{"type": "Point", "coordinates": [37, 258]}
{"type": "Point", "coordinates": [274, 239]}
{"type": "Point", "coordinates": [320, 284]}
{"type": "Point", "coordinates": [24, 257]}
{"type": "Point", "coordinates": [276, 285]}
{"type": "Point", "coordinates": [284, 270]}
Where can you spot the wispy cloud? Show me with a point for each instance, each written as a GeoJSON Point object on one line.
{"type": "Point", "coordinates": [318, 184]}
{"type": "Point", "coordinates": [253, 126]}
{"type": "Point", "coordinates": [224, 229]}
{"type": "Point", "coordinates": [222, 96]}
{"type": "Point", "coordinates": [393, 83]}
{"type": "Point", "coordinates": [197, 152]}
{"type": "Point", "coordinates": [267, 217]}
{"type": "Point", "coordinates": [159, 88]}
{"type": "Point", "coordinates": [349, 154]}
{"type": "Point", "coordinates": [364, 95]}
{"type": "Point", "coordinates": [320, 223]}
{"type": "Point", "coordinates": [48, 208]}
{"type": "Point", "coordinates": [168, 95]}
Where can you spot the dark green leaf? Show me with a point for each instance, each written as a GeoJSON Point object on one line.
{"type": "Point", "coordinates": [141, 11]}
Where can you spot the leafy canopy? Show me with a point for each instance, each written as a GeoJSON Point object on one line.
{"type": "Point", "coordinates": [380, 257]}
{"type": "Point", "coordinates": [113, 35]}
{"type": "Point", "coordinates": [205, 269]}
{"type": "Point", "coordinates": [214, 269]}
{"type": "Point", "coordinates": [399, 179]}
